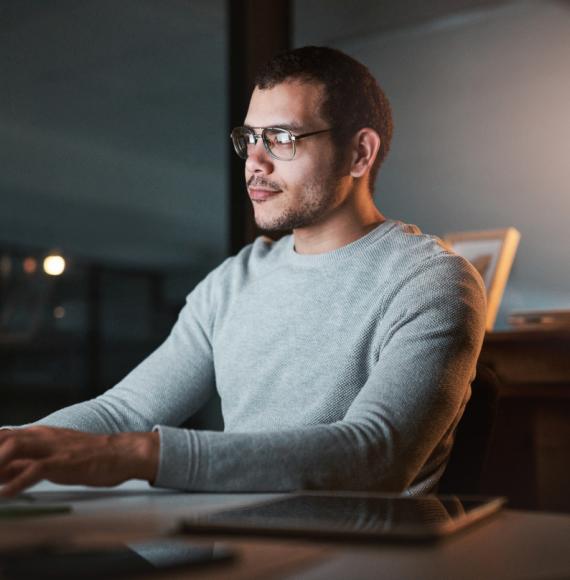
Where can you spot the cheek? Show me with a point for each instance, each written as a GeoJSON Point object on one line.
{"type": "Point", "coordinates": [308, 169]}
{"type": "Point", "coordinates": [285, 174]}
{"type": "Point", "coordinates": [298, 171]}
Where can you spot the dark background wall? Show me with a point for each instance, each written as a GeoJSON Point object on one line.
{"type": "Point", "coordinates": [114, 135]}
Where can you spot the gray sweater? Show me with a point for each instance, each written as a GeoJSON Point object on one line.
{"type": "Point", "coordinates": [343, 370]}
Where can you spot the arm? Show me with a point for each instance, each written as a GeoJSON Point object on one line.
{"type": "Point", "coordinates": [408, 404]}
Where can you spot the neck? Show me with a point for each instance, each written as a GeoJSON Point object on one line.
{"type": "Point", "coordinates": [350, 220]}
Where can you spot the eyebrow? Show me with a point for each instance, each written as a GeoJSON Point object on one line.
{"type": "Point", "coordinates": [294, 127]}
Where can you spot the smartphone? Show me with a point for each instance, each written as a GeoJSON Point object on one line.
{"type": "Point", "coordinates": [128, 560]}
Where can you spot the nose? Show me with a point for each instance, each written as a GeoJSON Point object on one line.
{"type": "Point", "coordinates": [258, 159]}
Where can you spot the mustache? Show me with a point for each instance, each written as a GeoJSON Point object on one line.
{"type": "Point", "coordinates": [254, 181]}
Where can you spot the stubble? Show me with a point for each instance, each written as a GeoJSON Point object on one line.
{"type": "Point", "coordinates": [306, 209]}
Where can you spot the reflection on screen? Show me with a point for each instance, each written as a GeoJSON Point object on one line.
{"type": "Point", "coordinates": [353, 513]}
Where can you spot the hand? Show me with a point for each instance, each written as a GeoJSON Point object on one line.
{"type": "Point", "coordinates": [72, 457]}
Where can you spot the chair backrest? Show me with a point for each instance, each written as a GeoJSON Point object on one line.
{"type": "Point", "coordinates": [464, 471]}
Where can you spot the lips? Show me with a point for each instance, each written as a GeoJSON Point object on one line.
{"type": "Point", "coordinates": [262, 194]}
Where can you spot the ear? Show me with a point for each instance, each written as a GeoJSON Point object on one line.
{"type": "Point", "coordinates": [366, 144]}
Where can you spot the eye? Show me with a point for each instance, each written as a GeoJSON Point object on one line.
{"type": "Point", "coordinates": [278, 137]}
{"type": "Point", "coordinates": [249, 137]}
{"type": "Point", "coordinates": [282, 138]}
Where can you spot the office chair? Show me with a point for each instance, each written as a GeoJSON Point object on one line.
{"type": "Point", "coordinates": [464, 471]}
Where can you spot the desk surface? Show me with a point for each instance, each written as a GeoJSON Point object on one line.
{"type": "Point", "coordinates": [513, 544]}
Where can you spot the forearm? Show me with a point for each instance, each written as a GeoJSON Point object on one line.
{"type": "Point", "coordinates": [383, 444]}
{"type": "Point", "coordinates": [338, 456]}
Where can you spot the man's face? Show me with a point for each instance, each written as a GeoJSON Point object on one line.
{"type": "Point", "coordinates": [303, 191]}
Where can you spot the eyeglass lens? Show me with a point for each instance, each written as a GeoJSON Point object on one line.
{"type": "Point", "coordinates": [278, 142]}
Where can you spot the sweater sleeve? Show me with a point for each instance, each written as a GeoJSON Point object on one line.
{"type": "Point", "coordinates": [411, 400]}
{"type": "Point", "coordinates": [167, 387]}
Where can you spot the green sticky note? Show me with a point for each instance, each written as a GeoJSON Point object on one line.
{"type": "Point", "coordinates": [32, 510]}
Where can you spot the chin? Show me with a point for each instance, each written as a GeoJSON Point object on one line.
{"type": "Point", "coordinates": [282, 223]}
{"type": "Point", "coordinates": [270, 223]}
{"type": "Point", "coordinates": [272, 226]}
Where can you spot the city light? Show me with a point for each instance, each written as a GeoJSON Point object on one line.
{"type": "Point", "coordinates": [54, 265]}
{"type": "Point", "coordinates": [30, 265]}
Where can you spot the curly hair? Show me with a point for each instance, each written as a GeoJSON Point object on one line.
{"type": "Point", "coordinates": [352, 97]}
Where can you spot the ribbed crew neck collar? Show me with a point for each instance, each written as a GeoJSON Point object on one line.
{"type": "Point", "coordinates": [340, 253]}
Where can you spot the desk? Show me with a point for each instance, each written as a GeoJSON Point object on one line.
{"type": "Point", "coordinates": [530, 449]}
{"type": "Point", "coordinates": [513, 544]}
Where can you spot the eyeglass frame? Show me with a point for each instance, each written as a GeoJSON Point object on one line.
{"type": "Point", "coordinates": [261, 136]}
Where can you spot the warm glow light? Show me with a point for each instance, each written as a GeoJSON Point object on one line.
{"type": "Point", "coordinates": [59, 312]}
{"type": "Point", "coordinates": [30, 265]}
{"type": "Point", "coordinates": [54, 265]}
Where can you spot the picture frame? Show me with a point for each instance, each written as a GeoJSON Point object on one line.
{"type": "Point", "coordinates": [492, 252]}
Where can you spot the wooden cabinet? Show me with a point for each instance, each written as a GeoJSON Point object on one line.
{"type": "Point", "coordinates": [529, 459]}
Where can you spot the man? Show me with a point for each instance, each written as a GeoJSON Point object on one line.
{"type": "Point", "coordinates": [343, 354]}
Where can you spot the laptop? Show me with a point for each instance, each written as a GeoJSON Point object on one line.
{"type": "Point", "coordinates": [346, 516]}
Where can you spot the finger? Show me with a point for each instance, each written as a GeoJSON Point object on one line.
{"type": "Point", "coordinates": [13, 469]}
{"type": "Point", "coordinates": [30, 476]}
{"type": "Point", "coordinates": [8, 450]}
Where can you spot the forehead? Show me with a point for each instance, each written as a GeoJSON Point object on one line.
{"type": "Point", "coordinates": [289, 103]}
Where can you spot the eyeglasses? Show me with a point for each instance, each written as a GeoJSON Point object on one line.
{"type": "Point", "coordinates": [278, 142]}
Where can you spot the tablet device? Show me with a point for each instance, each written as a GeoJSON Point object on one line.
{"type": "Point", "coordinates": [350, 516]}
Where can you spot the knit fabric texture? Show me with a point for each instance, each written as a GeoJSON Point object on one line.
{"type": "Point", "coordinates": [343, 370]}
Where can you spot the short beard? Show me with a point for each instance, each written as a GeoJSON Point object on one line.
{"type": "Point", "coordinates": [319, 197]}
{"type": "Point", "coordinates": [314, 209]}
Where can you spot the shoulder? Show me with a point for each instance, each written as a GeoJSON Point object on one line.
{"type": "Point", "coordinates": [405, 246]}
{"type": "Point", "coordinates": [407, 252]}
{"type": "Point", "coordinates": [423, 269]}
